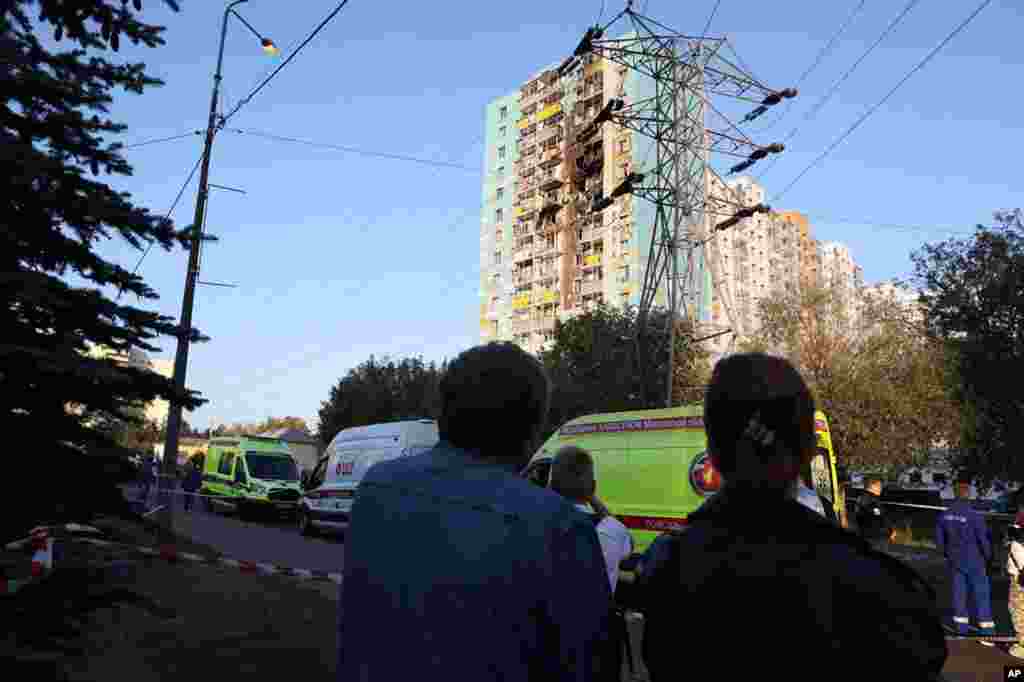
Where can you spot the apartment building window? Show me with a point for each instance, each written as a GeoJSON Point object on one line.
{"type": "Point", "coordinates": [501, 153]}
{"type": "Point", "coordinates": [500, 194]}
{"type": "Point", "coordinates": [623, 146]}
{"type": "Point", "coordinates": [497, 257]}
{"type": "Point", "coordinates": [502, 130]}
{"type": "Point", "coordinates": [500, 173]}
{"type": "Point", "coordinates": [503, 113]}
{"type": "Point", "coordinates": [499, 215]}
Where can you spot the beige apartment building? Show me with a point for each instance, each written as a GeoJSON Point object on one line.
{"type": "Point", "coordinates": [544, 254]}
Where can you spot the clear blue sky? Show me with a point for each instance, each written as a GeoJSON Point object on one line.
{"type": "Point", "coordinates": [337, 256]}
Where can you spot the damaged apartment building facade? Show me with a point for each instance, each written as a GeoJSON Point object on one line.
{"type": "Point", "coordinates": [543, 254]}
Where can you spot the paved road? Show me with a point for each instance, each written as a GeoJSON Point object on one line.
{"type": "Point", "coordinates": [267, 541]}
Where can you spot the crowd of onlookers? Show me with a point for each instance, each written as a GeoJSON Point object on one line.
{"type": "Point", "coordinates": [457, 567]}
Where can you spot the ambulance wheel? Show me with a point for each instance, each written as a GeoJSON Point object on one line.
{"type": "Point", "coordinates": [306, 527]}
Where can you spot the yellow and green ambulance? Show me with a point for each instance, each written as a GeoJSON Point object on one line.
{"type": "Point", "coordinates": [251, 474]}
{"type": "Point", "coordinates": [653, 466]}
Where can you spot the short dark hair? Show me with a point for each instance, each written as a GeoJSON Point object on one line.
{"type": "Point", "coordinates": [746, 384]}
{"type": "Point", "coordinates": [494, 397]}
{"type": "Point", "coordinates": [572, 473]}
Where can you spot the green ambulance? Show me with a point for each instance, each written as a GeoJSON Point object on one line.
{"type": "Point", "coordinates": [653, 467]}
{"type": "Point", "coordinates": [251, 474]}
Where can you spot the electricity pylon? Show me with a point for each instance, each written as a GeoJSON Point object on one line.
{"type": "Point", "coordinates": [686, 119]}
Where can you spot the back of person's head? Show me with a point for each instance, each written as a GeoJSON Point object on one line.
{"type": "Point", "coordinates": [759, 419]}
{"type": "Point", "coordinates": [572, 474]}
{"type": "Point", "coordinates": [494, 398]}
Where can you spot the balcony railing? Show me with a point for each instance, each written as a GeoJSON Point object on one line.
{"type": "Point", "coordinates": [591, 286]}
{"type": "Point", "coordinates": [523, 276]}
{"type": "Point", "coordinates": [592, 234]}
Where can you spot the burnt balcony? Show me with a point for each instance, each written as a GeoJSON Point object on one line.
{"type": "Point", "coordinates": [550, 156]}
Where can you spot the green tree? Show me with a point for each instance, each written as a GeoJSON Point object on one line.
{"type": "Point", "coordinates": [379, 391]}
{"type": "Point", "coordinates": [973, 296]}
{"type": "Point", "coordinates": [594, 366]}
{"type": "Point", "coordinates": [54, 105]}
{"type": "Point", "coordinates": [882, 382]}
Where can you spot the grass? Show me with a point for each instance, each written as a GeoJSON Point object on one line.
{"type": "Point", "coordinates": [163, 620]}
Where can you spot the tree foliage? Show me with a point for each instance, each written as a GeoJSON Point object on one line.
{"type": "Point", "coordinates": [973, 296]}
{"type": "Point", "coordinates": [266, 426]}
{"type": "Point", "coordinates": [53, 106]}
{"type": "Point", "coordinates": [594, 365]}
{"type": "Point", "coordinates": [379, 391]}
{"type": "Point", "coordinates": [882, 382]}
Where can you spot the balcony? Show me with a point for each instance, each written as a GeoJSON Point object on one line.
{"type": "Point", "coordinates": [551, 156]}
{"type": "Point", "coordinates": [550, 179]}
{"type": "Point", "coordinates": [522, 276]}
{"type": "Point", "coordinates": [591, 287]}
{"type": "Point", "coordinates": [523, 253]}
{"type": "Point", "coordinates": [545, 249]}
{"type": "Point", "coordinates": [548, 132]}
{"type": "Point", "coordinates": [592, 234]}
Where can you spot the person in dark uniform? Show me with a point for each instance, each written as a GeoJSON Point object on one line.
{"type": "Point", "coordinates": [873, 523]}
{"type": "Point", "coordinates": [963, 537]}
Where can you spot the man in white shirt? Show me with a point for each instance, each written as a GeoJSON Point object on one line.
{"type": "Point", "coordinates": [572, 477]}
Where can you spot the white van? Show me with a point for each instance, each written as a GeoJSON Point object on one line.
{"type": "Point", "coordinates": [331, 487]}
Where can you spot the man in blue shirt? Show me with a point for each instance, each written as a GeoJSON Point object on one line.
{"type": "Point", "coordinates": [963, 537]}
{"type": "Point", "coordinates": [457, 568]}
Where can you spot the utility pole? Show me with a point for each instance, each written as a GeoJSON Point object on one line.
{"type": "Point", "coordinates": [170, 462]}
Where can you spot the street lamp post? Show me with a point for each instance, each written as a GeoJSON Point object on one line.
{"type": "Point", "coordinates": [185, 326]}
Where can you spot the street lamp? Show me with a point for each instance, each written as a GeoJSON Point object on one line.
{"type": "Point", "coordinates": [185, 326]}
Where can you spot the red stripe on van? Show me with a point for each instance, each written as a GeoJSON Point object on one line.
{"type": "Point", "coordinates": [656, 523]}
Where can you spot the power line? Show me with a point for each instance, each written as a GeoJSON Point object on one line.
{"type": "Point", "coordinates": [842, 79]}
{"type": "Point", "coordinates": [162, 139]}
{"type": "Point", "coordinates": [446, 164]}
{"type": "Point", "coordinates": [354, 150]}
{"type": "Point", "coordinates": [882, 101]}
{"type": "Point", "coordinates": [889, 226]}
{"type": "Point", "coordinates": [817, 61]}
{"type": "Point", "coordinates": [714, 11]}
{"type": "Point", "coordinates": [245, 100]}
{"type": "Point", "coordinates": [174, 205]}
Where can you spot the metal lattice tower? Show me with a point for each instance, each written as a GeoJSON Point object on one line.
{"type": "Point", "coordinates": [685, 118]}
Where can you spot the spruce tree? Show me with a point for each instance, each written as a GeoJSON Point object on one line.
{"type": "Point", "coordinates": [57, 399]}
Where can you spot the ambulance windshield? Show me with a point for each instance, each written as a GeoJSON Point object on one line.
{"type": "Point", "coordinates": [271, 467]}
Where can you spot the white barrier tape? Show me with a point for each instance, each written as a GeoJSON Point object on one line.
{"type": "Point", "coordinates": [170, 554]}
{"type": "Point", "coordinates": [928, 506]}
{"type": "Point", "coordinates": [45, 531]}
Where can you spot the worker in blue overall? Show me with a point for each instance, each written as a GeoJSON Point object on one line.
{"type": "Point", "coordinates": [963, 537]}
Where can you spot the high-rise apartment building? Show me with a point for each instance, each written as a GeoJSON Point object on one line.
{"type": "Point", "coordinates": [838, 269]}
{"type": "Point", "coordinates": [543, 254]}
